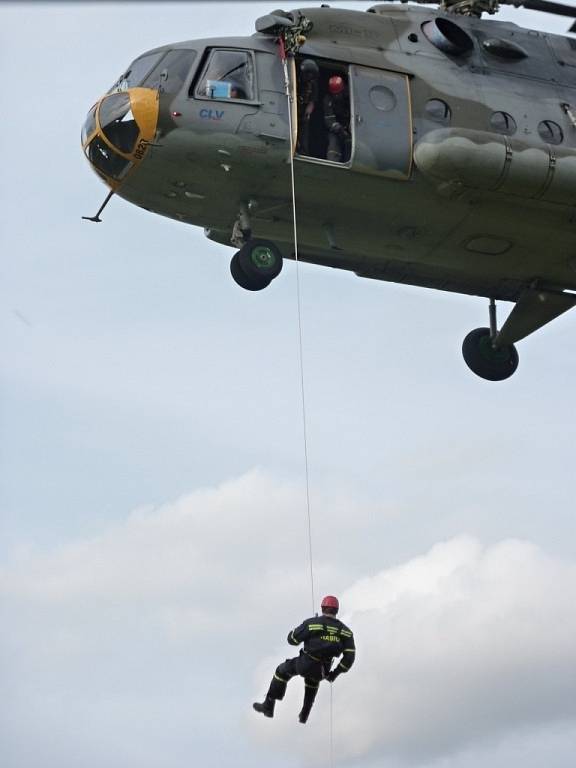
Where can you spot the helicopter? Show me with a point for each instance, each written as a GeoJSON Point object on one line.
{"type": "Point", "coordinates": [455, 167]}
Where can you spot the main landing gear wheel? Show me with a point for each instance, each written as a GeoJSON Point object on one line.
{"type": "Point", "coordinates": [487, 361]}
{"type": "Point", "coordinates": [256, 264]}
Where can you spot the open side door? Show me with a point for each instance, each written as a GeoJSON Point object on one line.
{"type": "Point", "coordinates": [382, 122]}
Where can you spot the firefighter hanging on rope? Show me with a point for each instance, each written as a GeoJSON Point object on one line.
{"type": "Point", "coordinates": [325, 637]}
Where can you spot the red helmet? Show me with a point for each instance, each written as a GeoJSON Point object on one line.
{"type": "Point", "coordinates": [336, 84]}
{"type": "Point", "coordinates": [330, 602]}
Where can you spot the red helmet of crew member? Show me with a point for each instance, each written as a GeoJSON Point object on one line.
{"type": "Point", "coordinates": [336, 85]}
{"type": "Point", "coordinates": [330, 604]}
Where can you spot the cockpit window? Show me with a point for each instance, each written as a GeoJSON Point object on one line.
{"type": "Point", "coordinates": [106, 160]}
{"type": "Point", "coordinates": [170, 74]}
{"type": "Point", "coordinates": [227, 75]}
{"type": "Point", "coordinates": [136, 72]}
{"type": "Point", "coordinates": [89, 125]}
{"type": "Point", "coordinates": [118, 123]}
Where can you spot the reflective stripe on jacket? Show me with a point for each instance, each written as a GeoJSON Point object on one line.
{"type": "Point", "coordinates": [324, 638]}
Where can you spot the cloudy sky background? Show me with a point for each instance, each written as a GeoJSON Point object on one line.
{"type": "Point", "coordinates": [153, 526]}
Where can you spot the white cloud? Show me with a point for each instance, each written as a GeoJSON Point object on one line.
{"type": "Point", "coordinates": [457, 648]}
{"type": "Point", "coordinates": [154, 626]}
{"type": "Point", "coordinates": [185, 569]}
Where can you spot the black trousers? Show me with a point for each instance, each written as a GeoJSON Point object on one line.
{"type": "Point", "coordinates": [304, 137]}
{"type": "Point", "coordinates": [339, 146]}
{"type": "Point", "coordinates": [311, 670]}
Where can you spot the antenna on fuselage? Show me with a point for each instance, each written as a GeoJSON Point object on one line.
{"type": "Point", "coordinates": [97, 218]}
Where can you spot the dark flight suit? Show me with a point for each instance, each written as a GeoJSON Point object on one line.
{"type": "Point", "coordinates": [308, 93]}
{"type": "Point", "coordinates": [337, 121]}
{"type": "Point", "coordinates": [324, 638]}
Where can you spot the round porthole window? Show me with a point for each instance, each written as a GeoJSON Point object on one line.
{"type": "Point", "coordinates": [439, 111]}
{"type": "Point", "coordinates": [502, 122]}
{"type": "Point", "coordinates": [550, 132]}
{"type": "Point", "coordinates": [382, 98]}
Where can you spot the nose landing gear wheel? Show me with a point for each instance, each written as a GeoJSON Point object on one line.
{"type": "Point", "coordinates": [256, 264]}
{"type": "Point", "coordinates": [485, 360]}
{"type": "Point", "coordinates": [248, 282]}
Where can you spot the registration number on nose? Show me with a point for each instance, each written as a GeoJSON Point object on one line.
{"type": "Point", "coordinates": [141, 149]}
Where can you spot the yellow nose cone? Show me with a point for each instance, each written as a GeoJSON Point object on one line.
{"type": "Point", "coordinates": [144, 103]}
{"type": "Point", "coordinates": [119, 131]}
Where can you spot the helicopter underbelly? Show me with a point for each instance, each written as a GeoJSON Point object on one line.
{"type": "Point", "coordinates": [439, 234]}
{"type": "Point", "coordinates": [469, 241]}
{"type": "Point", "coordinates": [475, 246]}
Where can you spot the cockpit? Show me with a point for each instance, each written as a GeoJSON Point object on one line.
{"type": "Point", "coordinates": [121, 126]}
{"type": "Point", "coordinates": [165, 69]}
{"type": "Point", "coordinates": [118, 128]}
{"type": "Point", "coordinates": [110, 134]}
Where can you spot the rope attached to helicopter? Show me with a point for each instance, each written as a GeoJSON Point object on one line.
{"type": "Point", "coordinates": [294, 36]}
{"type": "Point", "coordinates": [289, 40]}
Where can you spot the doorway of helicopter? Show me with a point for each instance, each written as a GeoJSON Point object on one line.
{"type": "Point", "coordinates": [324, 124]}
{"type": "Point", "coordinates": [354, 116]}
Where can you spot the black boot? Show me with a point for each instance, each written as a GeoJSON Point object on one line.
{"type": "Point", "coordinates": [266, 707]}
{"type": "Point", "coordinates": [309, 695]}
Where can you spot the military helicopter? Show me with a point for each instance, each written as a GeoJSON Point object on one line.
{"type": "Point", "coordinates": [455, 168]}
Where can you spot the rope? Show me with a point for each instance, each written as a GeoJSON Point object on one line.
{"type": "Point", "coordinates": [302, 388]}
{"type": "Point", "coordinates": [300, 346]}
{"type": "Point", "coordinates": [331, 733]}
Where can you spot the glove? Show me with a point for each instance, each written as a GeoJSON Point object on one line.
{"type": "Point", "coordinates": [332, 675]}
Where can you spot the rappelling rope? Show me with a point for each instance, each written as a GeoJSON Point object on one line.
{"type": "Point", "coordinates": [331, 731]}
{"type": "Point", "coordinates": [289, 97]}
{"type": "Point", "coordinates": [300, 347]}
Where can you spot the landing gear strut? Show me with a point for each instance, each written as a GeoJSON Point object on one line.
{"type": "Point", "coordinates": [485, 356]}
{"type": "Point", "coordinates": [256, 264]}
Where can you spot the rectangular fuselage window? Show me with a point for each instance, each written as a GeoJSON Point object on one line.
{"type": "Point", "coordinates": [227, 75]}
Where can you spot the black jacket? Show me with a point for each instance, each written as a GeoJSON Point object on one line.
{"type": "Point", "coordinates": [324, 638]}
{"type": "Point", "coordinates": [337, 114]}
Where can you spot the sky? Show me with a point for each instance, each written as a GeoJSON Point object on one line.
{"type": "Point", "coordinates": [153, 528]}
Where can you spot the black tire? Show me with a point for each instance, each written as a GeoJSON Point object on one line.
{"type": "Point", "coordinates": [260, 258]}
{"type": "Point", "coordinates": [248, 282]}
{"type": "Point", "coordinates": [486, 361]}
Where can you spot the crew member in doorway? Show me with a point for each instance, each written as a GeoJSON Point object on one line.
{"type": "Point", "coordinates": [308, 93]}
{"type": "Point", "coordinates": [325, 637]}
{"type": "Point", "coordinates": [337, 120]}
